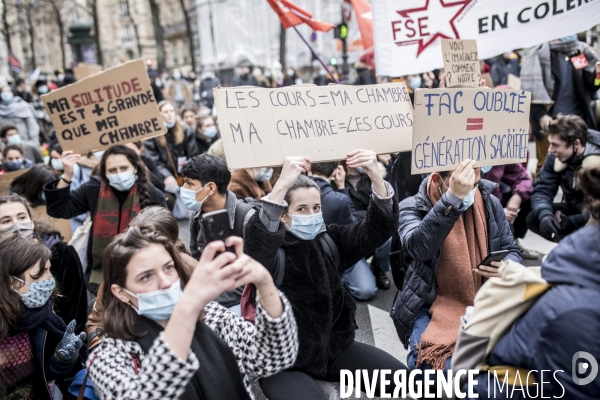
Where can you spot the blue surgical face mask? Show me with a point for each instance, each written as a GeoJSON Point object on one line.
{"type": "Point", "coordinates": [7, 96]}
{"type": "Point", "coordinates": [210, 132]}
{"type": "Point", "coordinates": [159, 304]}
{"type": "Point", "coordinates": [569, 39]}
{"type": "Point", "coordinates": [38, 293]}
{"type": "Point", "coordinates": [169, 125]}
{"type": "Point", "coordinates": [415, 82]}
{"type": "Point", "coordinates": [57, 164]}
{"type": "Point", "coordinates": [360, 170]}
{"type": "Point", "coordinates": [11, 166]}
{"type": "Point", "coordinates": [176, 76]}
{"type": "Point", "coordinates": [306, 227]}
{"type": "Point", "coordinates": [42, 89]}
{"type": "Point", "coordinates": [14, 139]}
{"type": "Point", "coordinates": [485, 170]}
{"type": "Point", "coordinates": [264, 175]}
{"type": "Point", "coordinates": [469, 199]}
{"type": "Point", "coordinates": [188, 196]}
{"type": "Point", "coordinates": [122, 181]}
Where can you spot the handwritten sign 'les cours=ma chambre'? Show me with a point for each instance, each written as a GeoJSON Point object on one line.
{"type": "Point", "coordinates": [461, 62]}
{"type": "Point", "coordinates": [260, 127]}
{"type": "Point", "coordinates": [113, 107]}
{"type": "Point", "coordinates": [490, 126]}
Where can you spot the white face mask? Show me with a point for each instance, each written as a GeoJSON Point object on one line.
{"type": "Point", "coordinates": [122, 181]}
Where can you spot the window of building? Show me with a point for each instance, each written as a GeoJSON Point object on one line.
{"type": "Point", "coordinates": [130, 54]}
{"type": "Point", "coordinates": [123, 9]}
{"type": "Point", "coordinates": [127, 34]}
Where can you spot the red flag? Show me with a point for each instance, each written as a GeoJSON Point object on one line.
{"type": "Point", "coordinates": [291, 15]}
{"type": "Point", "coordinates": [364, 17]}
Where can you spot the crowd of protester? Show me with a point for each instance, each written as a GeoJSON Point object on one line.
{"type": "Point", "coordinates": [98, 291]}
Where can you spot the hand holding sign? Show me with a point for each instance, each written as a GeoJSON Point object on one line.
{"type": "Point", "coordinates": [367, 160]}
{"type": "Point", "coordinates": [292, 168]}
{"type": "Point", "coordinates": [463, 179]}
{"type": "Point", "coordinates": [69, 160]}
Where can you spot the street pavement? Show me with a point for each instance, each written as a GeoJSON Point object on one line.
{"type": "Point", "coordinates": [375, 327]}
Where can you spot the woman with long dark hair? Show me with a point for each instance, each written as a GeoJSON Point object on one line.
{"type": "Point", "coordinates": [113, 199]}
{"type": "Point", "coordinates": [165, 336]}
{"type": "Point", "coordinates": [16, 217]}
{"type": "Point", "coordinates": [161, 221]}
{"type": "Point", "coordinates": [36, 346]}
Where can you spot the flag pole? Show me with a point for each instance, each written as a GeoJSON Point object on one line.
{"type": "Point", "coordinates": [317, 56]}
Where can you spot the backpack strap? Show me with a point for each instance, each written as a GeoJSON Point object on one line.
{"type": "Point", "coordinates": [330, 248]}
{"type": "Point", "coordinates": [241, 209]}
{"type": "Point", "coordinates": [280, 273]}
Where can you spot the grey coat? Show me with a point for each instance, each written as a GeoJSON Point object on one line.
{"type": "Point", "coordinates": [22, 115]}
{"type": "Point", "coordinates": [423, 229]}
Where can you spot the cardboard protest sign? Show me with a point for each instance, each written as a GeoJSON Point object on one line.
{"type": "Point", "coordinates": [84, 70]}
{"type": "Point", "coordinates": [514, 82]}
{"type": "Point", "coordinates": [113, 107]}
{"type": "Point", "coordinates": [262, 126]}
{"type": "Point", "coordinates": [490, 126]}
{"type": "Point", "coordinates": [8, 178]}
{"type": "Point", "coordinates": [461, 62]}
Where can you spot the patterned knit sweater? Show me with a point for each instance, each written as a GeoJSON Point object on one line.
{"type": "Point", "coordinates": [261, 349]}
{"type": "Point", "coordinates": [16, 367]}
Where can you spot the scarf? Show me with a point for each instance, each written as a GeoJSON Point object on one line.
{"type": "Point", "coordinates": [218, 378]}
{"type": "Point", "coordinates": [41, 317]}
{"type": "Point", "coordinates": [456, 282]}
{"type": "Point", "coordinates": [110, 219]}
{"type": "Point", "coordinates": [536, 74]}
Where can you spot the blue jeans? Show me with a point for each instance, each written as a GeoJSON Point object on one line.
{"type": "Point", "coordinates": [359, 279]}
{"type": "Point", "coordinates": [382, 255]}
{"type": "Point", "coordinates": [419, 326]}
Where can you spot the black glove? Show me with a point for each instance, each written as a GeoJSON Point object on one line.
{"type": "Point", "coordinates": [549, 226]}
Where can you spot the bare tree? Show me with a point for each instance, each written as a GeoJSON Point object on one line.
{"type": "Point", "coordinates": [53, 8]}
{"type": "Point", "coordinates": [159, 35]}
{"type": "Point", "coordinates": [6, 29]}
{"type": "Point", "coordinates": [29, 9]}
{"type": "Point", "coordinates": [190, 34]}
{"type": "Point", "coordinates": [92, 9]}
{"type": "Point", "coordinates": [135, 28]}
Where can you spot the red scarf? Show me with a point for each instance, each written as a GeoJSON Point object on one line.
{"type": "Point", "coordinates": [110, 220]}
{"type": "Point", "coordinates": [464, 248]}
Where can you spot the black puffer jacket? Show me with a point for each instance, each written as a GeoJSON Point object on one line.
{"type": "Point", "coordinates": [324, 309]}
{"type": "Point", "coordinates": [423, 229]}
{"type": "Point", "coordinates": [554, 174]}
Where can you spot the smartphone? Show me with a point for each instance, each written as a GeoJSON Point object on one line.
{"type": "Point", "coordinates": [216, 226]}
{"type": "Point", "coordinates": [494, 256]}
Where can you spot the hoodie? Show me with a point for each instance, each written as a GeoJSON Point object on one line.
{"type": "Point", "coordinates": [562, 323]}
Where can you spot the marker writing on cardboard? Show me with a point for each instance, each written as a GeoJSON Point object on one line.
{"type": "Point", "coordinates": [484, 100]}
{"type": "Point", "coordinates": [449, 152]}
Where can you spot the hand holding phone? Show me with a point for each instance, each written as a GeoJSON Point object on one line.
{"type": "Point", "coordinates": [217, 227]}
